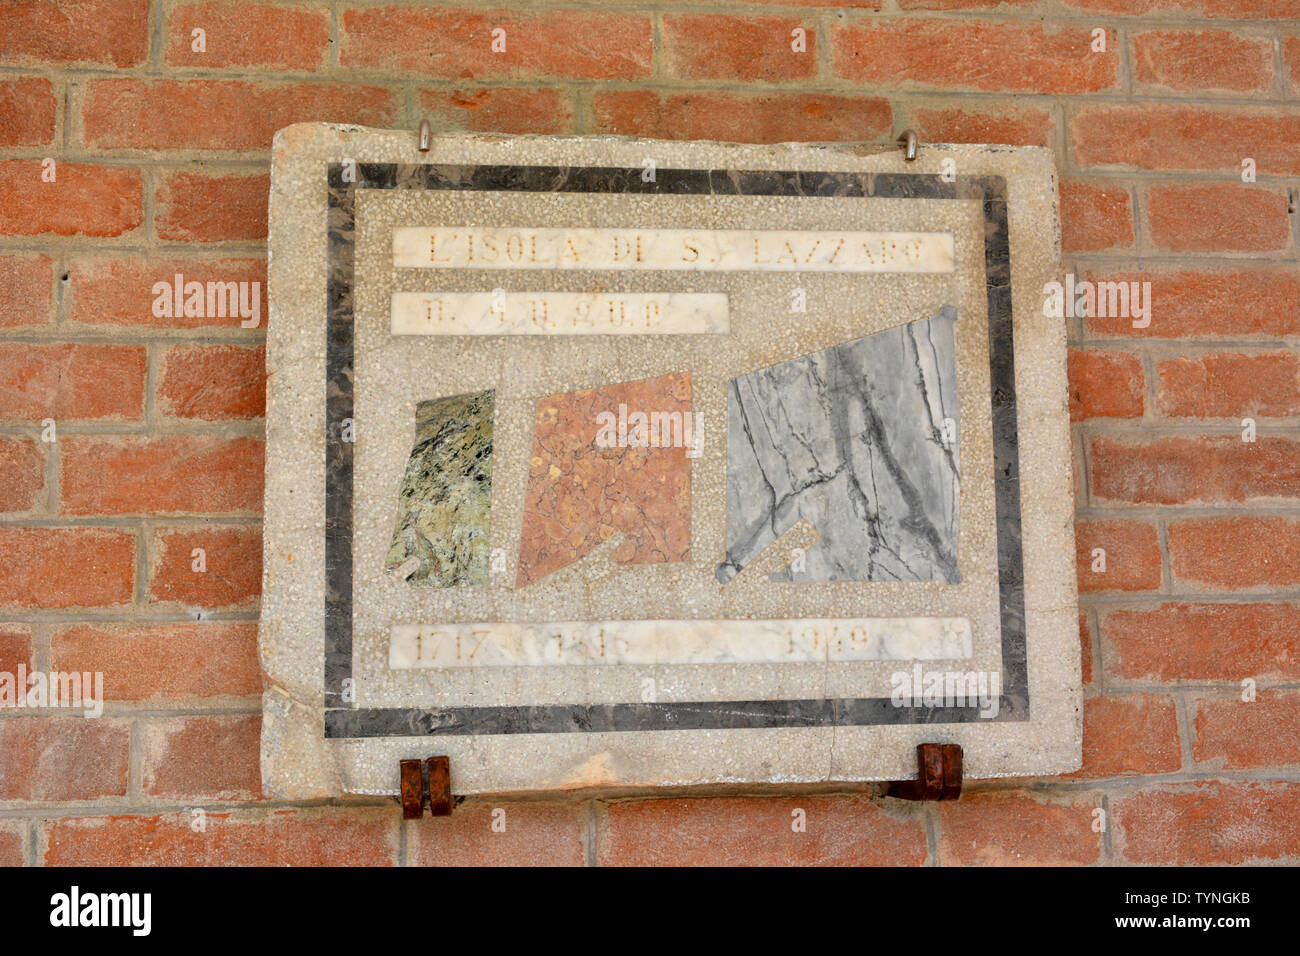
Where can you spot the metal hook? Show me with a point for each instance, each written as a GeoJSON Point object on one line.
{"type": "Point", "coordinates": [426, 136]}
{"type": "Point", "coordinates": [909, 141]}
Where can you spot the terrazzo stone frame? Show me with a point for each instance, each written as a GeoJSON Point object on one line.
{"type": "Point", "coordinates": [317, 743]}
{"type": "Point", "coordinates": [528, 370]}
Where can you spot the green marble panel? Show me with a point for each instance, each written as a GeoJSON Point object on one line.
{"type": "Point", "coordinates": [444, 507]}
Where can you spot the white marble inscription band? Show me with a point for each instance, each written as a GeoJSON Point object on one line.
{"type": "Point", "coordinates": [564, 313]}
{"type": "Point", "coordinates": [678, 642]}
{"type": "Point", "coordinates": [717, 250]}
{"type": "Point", "coordinates": [753, 472]}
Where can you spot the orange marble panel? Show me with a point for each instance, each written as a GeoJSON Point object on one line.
{"type": "Point", "coordinates": [581, 493]}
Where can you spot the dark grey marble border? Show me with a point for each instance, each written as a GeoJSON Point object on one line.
{"type": "Point", "coordinates": [350, 722]}
{"type": "Point", "coordinates": [675, 715]}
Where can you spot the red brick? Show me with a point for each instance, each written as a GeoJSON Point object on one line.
{"type": "Point", "coordinates": [536, 834]}
{"type": "Point", "coordinates": [1210, 823]}
{"type": "Point", "coordinates": [71, 382]}
{"type": "Point", "coordinates": [248, 34]}
{"type": "Point", "coordinates": [1233, 734]}
{"type": "Point", "coordinates": [1105, 384]}
{"type": "Point", "coordinates": [1127, 734]}
{"type": "Point", "coordinates": [1095, 218]}
{"type": "Point", "coordinates": [123, 113]}
{"type": "Point", "coordinates": [500, 110]}
{"type": "Point", "coordinates": [1229, 385]}
{"type": "Point", "coordinates": [1162, 136]}
{"type": "Point", "coordinates": [1291, 47]}
{"type": "Point", "coordinates": [739, 831]}
{"type": "Point", "coordinates": [91, 32]}
{"type": "Point", "coordinates": [1228, 9]}
{"type": "Point", "coordinates": [168, 475]}
{"type": "Point", "coordinates": [22, 475]}
{"type": "Point", "coordinates": [856, 4]}
{"type": "Point", "coordinates": [25, 290]}
{"type": "Point", "coordinates": [1085, 642]}
{"type": "Point", "coordinates": [234, 568]}
{"type": "Point", "coordinates": [196, 207]}
{"type": "Point", "coordinates": [329, 836]}
{"type": "Point", "coordinates": [204, 758]}
{"type": "Point", "coordinates": [28, 109]}
{"type": "Point", "coordinates": [1000, 123]}
{"type": "Point", "coordinates": [1204, 642]}
{"type": "Point", "coordinates": [15, 648]}
{"type": "Point", "coordinates": [63, 758]}
{"type": "Point", "coordinates": [164, 661]}
{"type": "Point", "coordinates": [1237, 553]}
{"type": "Point", "coordinates": [120, 291]}
{"type": "Point", "coordinates": [739, 49]}
{"type": "Point", "coordinates": [213, 382]}
{"type": "Point", "coordinates": [1132, 556]}
{"type": "Point", "coordinates": [774, 118]}
{"type": "Point", "coordinates": [1194, 470]}
{"type": "Point", "coordinates": [66, 567]}
{"type": "Point", "coordinates": [1013, 828]}
{"type": "Point", "coordinates": [1218, 218]}
{"type": "Point", "coordinates": [1198, 304]}
{"type": "Point", "coordinates": [962, 4]}
{"type": "Point", "coordinates": [1203, 61]}
{"type": "Point", "coordinates": [973, 54]}
{"type": "Point", "coordinates": [13, 838]}
{"type": "Point", "coordinates": [457, 43]}
{"type": "Point", "coordinates": [83, 200]}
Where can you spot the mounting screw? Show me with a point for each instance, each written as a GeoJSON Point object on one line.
{"type": "Point", "coordinates": [909, 141]}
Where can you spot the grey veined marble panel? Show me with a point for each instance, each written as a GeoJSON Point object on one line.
{"type": "Point", "coordinates": [860, 440]}
{"type": "Point", "coordinates": [443, 510]}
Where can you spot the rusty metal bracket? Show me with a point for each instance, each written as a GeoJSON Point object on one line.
{"type": "Point", "coordinates": [430, 784]}
{"type": "Point", "coordinates": [412, 790]}
{"type": "Point", "coordinates": [938, 777]}
{"type": "Point", "coordinates": [439, 786]}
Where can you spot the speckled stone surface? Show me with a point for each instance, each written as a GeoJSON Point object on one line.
{"type": "Point", "coordinates": [588, 483]}
{"type": "Point", "coordinates": [338, 717]}
{"type": "Point", "coordinates": [859, 440]}
{"type": "Point", "coordinates": [444, 509]}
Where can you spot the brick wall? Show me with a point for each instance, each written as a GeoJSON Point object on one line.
{"type": "Point", "coordinates": [161, 167]}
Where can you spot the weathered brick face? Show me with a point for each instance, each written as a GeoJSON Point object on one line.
{"type": "Point", "coordinates": [133, 154]}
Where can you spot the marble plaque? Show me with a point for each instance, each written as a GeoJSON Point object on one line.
{"type": "Point", "coordinates": [753, 471]}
